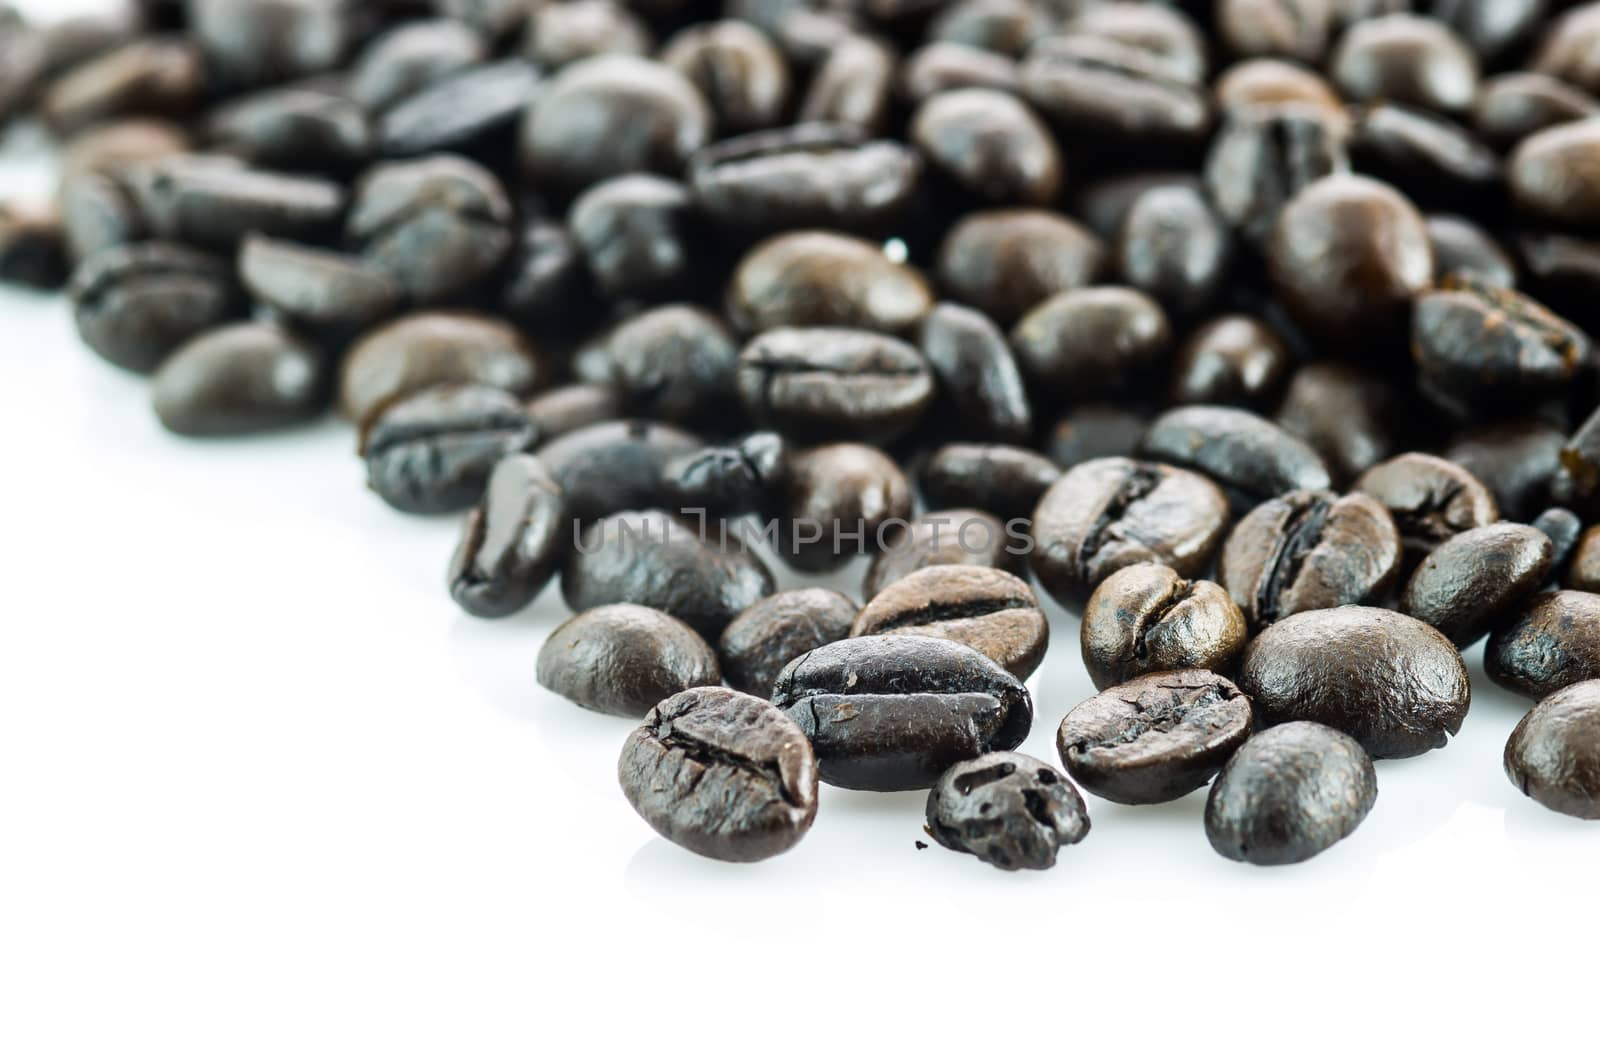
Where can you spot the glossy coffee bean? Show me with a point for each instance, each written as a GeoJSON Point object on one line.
{"type": "Point", "coordinates": [1519, 461]}
{"type": "Point", "coordinates": [722, 774]}
{"type": "Point", "coordinates": [474, 112]}
{"type": "Point", "coordinates": [1230, 361]}
{"type": "Point", "coordinates": [559, 34]}
{"type": "Point", "coordinates": [1584, 575]}
{"type": "Point", "coordinates": [135, 305]}
{"type": "Point", "coordinates": [299, 128]}
{"type": "Point", "coordinates": [1550, 174]}
{"type": "Point", "coordinates": [647, 557]}
{"type": "Point", "coordinates": [1272, 84]}
{"type": "Point", "coordinates": [153, 76]}
{"type": "Point", "coordinates": [1553, 755]}
{"type": "Point", "coordinates": [675, 362]}
{"type": "Point", "coordinates": [1476, 341]}
{"type": "Point", "coordinates": [1428, 157]}
{"type": "Point", "coordinates": [216, 202]}
{"type": "Point", "coordinates": [1262, 158]}
{"type": "Point", "coordinates": [321, 289]}
{"type": "Point", "coordinates": [976, 373]}
{"type": "Point", "coordinates": [1096, 431]}
{"type": "Point", "coordinates": [825, 279]}
{"type": "Point", "coordinates": [1000, 479]}
{"type": "Point", "coordinates": [1568, 48]}
{"type": "Point", "coordinates": [1392, 683]}
{"type": "Point", "coordinates": [546, 285]}
{"type": "Point", "coordinates": [1462, 246]}
{"type": "Point", "coordinates": [838, 500]}
{"type": "Point", "coordinates": [1514, 106]}
{"type": "Point", "coordinates": [1429, 498]}
{"type": "Point", "coordinates": [1106, 514]}
{"type": "Point", "coordinates": [1563, 528]}
{"type": "Point", "coordinates": [740, 72]}
{"type": "Point", "coordinates": [512, 541]}
{"type": "Point", "coordinates": [1006, 262]}
{"type": "Point", "coordinates": [33, 248]}
{"type": "Point", "coordinates": [854, 86]}
{"type": "Point", "coordinates": [611, 466]}
{"type": "Point", "coordinates": [238, 380]}
{"type": "Point", "coordinates": [1093, 342]}
{"type": "Point", "coordinates": [1293, 29]}
{"type": "Point", "coordinates": [990, 610]}
{"type": "Point", "coordinates": [741, 476]}
{"type": "Point", "coordinates": [1473, 579]}
{"type": "Point", "coordinates": [1155, 738]}
{"type": "Point", "coordinates": [946, 537]}
{"type": "Point", "coordinates": [990, 145]}
{"type": "Point", "coordinates": [252, 42]}
{"type": "Point", "coordinates": [1174, 247]}
{"type": "Point", "coordinates": [1288, 794]}
{"type": "Point", "coordinates": [759, 642]}
{"type": "Point", "coordinates": [624, 660]}
{"type": "Point", "coordinates": [1245, 454]}
{"type": "Point", "coordinates": [941, 66]}
{"type": "Point", "coordinates": [1344, 413]}
{"type": "Point", "coordinates": [1147, 618]}
{"type": "Point", "coordinates": [1407, 59]}
{"type": "Point", "coordinates": [894, 712]}
{"type": "Point", "coordinates": [420, 350]}
{"type": "Point", "coordinates": [1007, 809]}
{"type": "Point", "coordinates": [434, 450]}
{"type": "Point", "coordinates": [833, 383]}
{"type": "Point", "coordinates": [637, 235]}
{"type": "Point", "coordinates": [410, 57]}
{"type": "Point", "coordinates": [1098, 87]}
{"type": "Point", "coordinates": [1550, 642]}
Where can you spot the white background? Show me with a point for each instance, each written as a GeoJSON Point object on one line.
{"type": "Point", "coordinates": [265, 794]}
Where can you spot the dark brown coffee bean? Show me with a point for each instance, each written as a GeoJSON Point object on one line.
{"type": "Point", "coordinates": [322, 289]}
{"type": "Point", "coordinates": [990, 145]}
{"type": "Point", "coordinates": [238, 380]}
{"type": "Point", "coordinates": [1430, 158]}
{"type": "Point", "coordinates": [1518, 461]}
{"type": "Point", "coordinates": [1230, 361]}
{"type": "Point", "coordinates": [1553, 756]}
{"type": "Point", "coordinates": [1096, 431]}
{"type": "Point", "coordinates": [1109, 513]}
{"type": "Point", "coordinates": [1000, 479]}
{"type": "Point", "coordinates": [1007, 809]}
{"type": "Point", "coordinates": [512, 541]}
{"type": "Point", "coordinates": [434, 450]}
{"type": "Point", "coordinates": [1491, 27]}
{"type": "Point", "coordinates": [992, 611]}
{"type": "Point", "coordinates": [833, 383]}
{"type": "Point", "coordinates": [1429, 498]}
{"type": "Point", "coordinates": [854, 86]}
{"type": "Point", "coordinates": [759, 642]}
{"type": "Point", "coordinates": [976, 372]}
{"type": "Point", "coordinates": [737, 68]}
{"type": "Point", "coordinates": [624, 660]}
{"type": "Point", "coordinates": [1392, 683]}
{"type": "Point", "coordinates": [675, 362]}
{"type": "Point", "coordinates": [1462, 246]}
{"type": "Point", "coordinates": [420, 350]}
{"type": "Point", "coordinates": [1550, 174]}
{"type": "Point", "coordinates": [572, 406]}
{"type": "Point", "coordinates": [1569, 48]}
{"type": "Point", "coordinates": [1551, 642]}
{"type": "Point", "coordinates": [1563, 528]}
{"type": "Point", "coordinates": [1345, 414]}
{"type": "Point", "coordinates": [838, 500]}
{"type": "Point", "coordinates": [821, 278]}
{"type": "Point", "coordinates": [33, 248]}
{"type": "Point", "coordinates": [1006, 262]}
{"type": "Point", "coordinates": [559, 34]}
{"type": "Point", "coordinates": [1272, 84]}
{"type": "Point", "coordinates": [611, 466]}
{"type": "Point", "coordinates": [1584, 575]}
{"type": "Point", "coordinates": [1294, 29]}
{"type": "Point", "coordinates": [1288, 794]}
{"type": "Point", "coordinates": [1175, 248]}
{"type": "Point", "coordinates": [743, 476]}
{"type": "Point", "coordinates": [1473, 579]}
{"type": "Point", "coordinates": [547, 286]}
{"type": "Point", "coordinates": [1146, 618]}
{"type": "Point", "coordinates": [722, 774]}
{"type": "Point", "coordinates": [1263, 157]}
{"type": "Point", "coordinates": [1514, 106]}
{"type": "Point", "coordinates": [940, 66]}
{"type": "Point", "coordinates": [159, 76]}
{"type": "Point", "coordinates": [1155, 738]}
{"type": "Point", "coordinates": [474, 112]}
{"type": "Point", "coordinates": [1093, 86]}
{"type": "Point", "coordinates": [637, 234]}
{"type": "Point", "coordinates": [409, 58]}
{"type": "Point", "coordinates": [299, 128]}
{"type": "Point", "coordinates": [1476, 341]}
{"type": "Point", "coordinates": [216, 202]}
{"type": "Point", "coordinates": [1243, 453]}
{"type": "Point", "coordinates": [1093, 342]}
{"type": "Point", "coordinates": [1407, 59]}
{"type": "Point", "coordinates": [135, 305]}
{"type": "Point", "coordinates": [252, 42]}
{"type": "Point", "coordinates": [946, 537]}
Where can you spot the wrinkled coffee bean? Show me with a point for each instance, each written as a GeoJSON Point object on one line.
{"type": "Point", "coordinates": [759, 642]}
{"type": "Point", "coordinates": [1007, 809]}
{"type": "Point", "coordinates": [434, 450]}
{"type": "Point", "coordinates": [1429, 498]}
{"type": "Point", "coordinates": [946, 537]}
{"type": "Point", "coordinates": [512, 542]}
{"type": "Point", "coordinates": [611, 466]}
{"type": "Point", "coordinates": [992, 611]}
{"type": "Point", "coordinates": [1247, 455]}
{"type": "Point", "coordinates": [1476, 341]}
{"type": "Point", "coordinates": [824, 279]}
{"type": "Point", "coordinates": [1553, 755]}
{"type": "Point", "coordinates": [1550, 642]}
{"type": "Point", "coordinates": [1147, 618]}
{"type": "Point", "coordinates": [417, 351]}
{"type": "Point", "coordinates": [1000, 479]}
{"type": "Point", "coordinates": [625, 660]}
{"type": "Point", "coordinates": [238, 380]}
{"type": "Point", "coordinates": [1473, 579]}
{"type": "Point", "coordinates": [135, 305]}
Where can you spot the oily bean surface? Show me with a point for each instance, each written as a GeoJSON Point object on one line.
{"type": "Point", "coordinates": [946, 537]}
{"type": "Point", "coordinates": [1146, 618]}
{"type": "Point", "coordinates": [1007, 809]}
{"type": "Point", "coordinates": [1553, 755]}
{"type": "Point", "coordinates": [624, 660]}
{"type": "Point", "coordinates": [419, 350]}
{"type": "Point", "coordinates": [610, 466]}
{"type": "Point", "coordinates": [992, 611]}
{"type": "Point", "coordinates": [240, 379]}
{"type": "Point", "coordinates": [1473, 579]}
{"type": "Point", "coordinates": [816, 384]}
{"type": "Point", "coordinates": [1429, 498]}
{"type": "Point", "coordinates": [1245, 454]}
{"type": "Point", "coordinates": [513, 540]}
{"type": "Point", "coordinates": [1004, 480]}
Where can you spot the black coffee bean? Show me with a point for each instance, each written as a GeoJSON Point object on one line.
{"type": "Point", "coordinates": [420, 350]}
{"type": "Point", "coordinates": [1563, 528]}
{"type": "Point", "coordinates": [559, 34]}
{"type": "Point", "coordinates": [547, 283]}
{"type": "Point", "coordinates": [1006, 262]}
{"type": "Point", "coordinates": [1514, 106]}
{"type": "Point", "coordinates": [990, 145]}
{"type": "Point", "coordinates": [1147, 618]}
{"type": "Point", "coordinates": [823, 279]}
{"type": "Point", "coordinates": [1407, 59]}
{"type": "Point", "coordinates": [1109, 513]}
{"type": "Point", "coordinates": [1247, 455]}
{"type": "Point", "coordinates": [238, 380]}
{"type": "Point", "coordinates": [838, 500]}
{"type": "Point", "coordinates": [743, 476]}
{"type": "Point", "coordinates": [1096, 431]}
{"type": "Point", "coordinates": [1344, 413]}
{"type": "Point", "coordinates": [154, 76]}
{"type": "Point", "coordinates": [1564, 271]}
{"type": "Point", "coordinates": [433, 451]}
{"type": "Point", "coordinates": [990, 610]}
{"type": "Point", "coordinates": [1288, 794]}
{"type": "Point", "coordinates": [1098, 87]}
{"type": "Point", "coordinates": [723, 774]}
{"type": "Point", "coordinates": [834, 383]}
{"type": "Point", "coordinates": [135, 305]}
{"type": "Point", "coordinates": [894, 712]}
{"type": "Point", "coordinates": [512, 541]}
{"type": "Point", "coordinates": [572, 406]}
{"type": "Point", "coordinates": [1551, 642]}
{"type": "Point", "coordinates": [1519, 461]}
{"type": "Point", "coordinates": [611, 466]}
{"type": "Point", "coordinates": [1093, 342]}
{"type": "Point", "coordinates": [1473, 579]}
{"type": "Point", "coordinates": [625, 660]}
{"type": "Point", "coordinates": [1553, 756]}
{"type": "Point", "coordinates": [216, 202]}
{"type": "Point", "coordinates": [946, 537]}
{"type": "Point", "coordinates": [1549, 174]}
{"type": "Point", "coordinates": [1475, 341]}
{"type": "Point", "coordinates": [638, 236]}
{"type": "Point", "coordinates": [472, 112]}
{"type": "Point", "coordinates": [759, 642]}
{"type": "Point", "coordinates": [1103, 205]}
{"type": "Point", "coordinates": [1568, 48]}
{"type": "Point", "coordinates": [252, 42]}
{"type": "Point", "coordinates": [675, 362]}
{"type": "Point", "coordinates": [297, 128]}
{"type": "Point", "coordinates": [741, 73]}
{"type": "Point", "coordinates": [410, 57]}
{"type": "Point", "coordinates": [1262, 158]}
{"type": "Point", "coordinates": [1230, 361]}
{"type": "Point", "coordinates": [940, 66]}
{"type": "Point", "coordinates": [321, 289]}
{"type": "Point", "coordinates": [1429, 498]}
{"type": "Point", "coordinates": [647, 557]}
{"type": "Point", "coordinates": [1175, 248]}
{"type": "Point", "coordinates": [1462, 246]}
{"type": "Point", "coordinates": [976, 372]}
{"type": "Point", "coordinates": [1007, 809]}
{"type": "Point", "coordinates": [1584, 575]}
{"type": "Point", "coordinates": [1294, 29]}
{"type": "Point", "coordinates": [1000, 479]}
{"type": "Point", "coordinates": [33, 248]}
{"type": "Point", "coordinates": [854, 86]}
{"type": "Point", "coordinates": [1392, 683]}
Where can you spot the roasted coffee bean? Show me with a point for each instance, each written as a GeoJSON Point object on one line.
{"type": "Point", "coordinates": [1230, 361]}
{"type": "Point", "coordinates": [547, 279]}
{"type": "Point", "coordinates": [1563, 270]}
{"type": "Point", "coordinates": [946, 537]}
{"type": "Point", "coordinates": [434, 450]}
{"type": "Point", "coordinates": [1491, 27]}
{"type": "Point", "coordinates": [1103, 205]}
{"type": "Point", "coordinates": [1098, 87]}
{"type": "Point", "coordinates": [759, 642]}
{"type": "Point", "coordinates": [1294, 29]}
{"type": "Point", "coordinates": [612, 115]}
{"type": "Point", "coordinates": [1429, 157]}
{"type": "Point", "coordinates": [1310, 550]}
{"type": "Point", "coordinates": [940, 66]}
{"type": "Point", "coordinates": [420, 350]}
{"type": "Point", "coordinates": [1407, 59]}
{"type": "Point", "coordinates": [854, 86]}
{"type": "Point", "coordinates": [1473, 579]}
{"type": "Point", "coordinates": [1551, 642]}
{"type": "Point", "coordinates": [512, 541]}
{"type": "Point", "coordinates": [410, 57]}
{"type": "Point", "coordinates": [1272, 84]}
{"type": "Point", "coordinates": [838, 500]}
{"type": "Point", "coordinates": [675, 362]}
{"type": "Point", "coordinates": [1175, 248]}
{"type": "Point", "coordinates": [625, 660]}
{"type": "Point", "coordinates": [296, 128]}
{"type": "Point", "coordinates": [1288, 794]}
{"type": "Point", "coordinates": [238, 380]}
{"type": "Point", "coordinates": [611, 466]}
{"type": "Point", "coordinates": [495, 19]}
{"type": "Point", "coordinates": [570, 407]}
{"type": "Point", "coordinates": [1392, 683]}
{"type": "Point", "coordinates": [1096, 431]}
{"type": "Point", "coordinates": [152, 76]}
{"type": "Point", "coordinates": [740, 72]}
{"type": "Point", "coordinates": [1005, 27]}
{"type": "Point", "coordinates": [1000, 479]}
{"type": "Point", "coordinates": [1345, 414]}
{"type": "Point", "coordinates": [1569, 48]}
{"type": "Point", "coordinates": [647, 557]}
{"type": "Point", "coordinates": [804, 176]}
{"type": "Point", "coordinates": [1007, 809]}
{"type": "Point", "coordinates": [1580, 460]}
{"type": "Point", "coordinates": [216, 202]}
{"type": "Point", "coordinates": [1106, 514]}
{"type": "Point", "coordinates": [992, 611]}
{"type": "Point", "coordinates": [472, 112]}
{"type": "Point", "coordinates": [32, 247]}
{"type": "Point", "coordinates": [1518, 461]}
{"type": "Point", "coordinates": [834, 383]}
{"type": "Point", "coordinates": [559, 34]}
{"type": "Point", "coordinates": [1006, 262]}
{"type": "Point", "coordinates": [1147, 618]}
{"type": "Point", "coordinates": [1247, 455]}
{"type": "Point", "coordinates": [894, 712]}
{"type": "Point", "coordinates": [1093, 342]}
{"type": "Point", "coordinates": [1514, 106]}
{"type": "Point", "coordinates": [135, 305]}
{"type": "Point", "coordinates": [438, 226]}
{"type": "Point", "coordinates": [729, 479]}
{"type": "Point", "coordinates": [637, 235]}
{"type": "Point", "coordinates": [1551, 174]}
{"type": "Point", "coordinates": [1429, 498]}
{"type": "Point", "coordinates": [97, 214]}
{"type": "Point", "coordinates": [722, 774]}
{"type": "Point", "coordinates": [976, 372]}
{"type": "Point", "coordinates": [1461, 246]}
{"type": "Point", "coordinates": [1584, 575]}
{"type": "Point", "coordinates": [1348, 254]}
{"type": "Point", "coordinates": [825, 279]}
{"type": "Point", "coordinates": [990, 145]}
{"type": "Point", "coordinates": [252, 42]}
{"type": "Point", "coordinates": [321, 289]}
{"type": "Point", "coordinates": [1563, 528]}
{"type": "Point", "coordinates": [1553, 755]}
{"type": "Point", "coordinates": [1476, 341]}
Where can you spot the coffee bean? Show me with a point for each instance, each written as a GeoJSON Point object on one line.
{"type": "Point", "coordinates": [251, 42]}
{"type": "Point", "coordinates": [1551, 642]}
{"type": "Point", "coordinates": [743, 476]}
{"type": "Point", "coordinates": [722, 774]}
{"type": "Point", "coordinates": [566, 33]}
{"type": "Point", "coordinates": [838, 500]}
{"type": "Point", "coordinates": [572, 406]}
{"type": "Point", "coordinates": [1512, 107]}
{"type": "Point", "coordinates": [238, 380]}
{"type": "Point", "coordinates": [1097, 87]}
{"type": "Point", "coordinates": [419, 350]}
{"type": "Point", "coordinates": [648, 558]}
{"type": "Point", "coordinates": [295, 128]}
{"type": "Point", "coordinates": [1004, 480]}
{"type": "Point", "coordinates": [1584, 575]}
{"type": "Point", "coordinates": [1245, 454]}
{"type": "Point", "coordinates": [1563, 528]}
{"type": "Point", "coordinates": [410, 57]}
{"type": "Point", "coordinates": [512, 541]}
{"type": "Point", "coordinates": [1006, 262]}
{"type": "Point", "coordinates": [1096, 431]}
{"type": "Point", "coordinates": [625, 660]}
{"type": "Point", "coordinates": [834, 383]}
{"type": "Point", "coordinates": [823, 279]}
{"type": "Point", "coordinates": [992, 611]}
{"type": "Point", "coordinates": [214, 202]}
{"type": "Point", "coordinates": [1093, 342]}
{"type": "Point", "coordinates": [976, 373]}
{"type": "Point", "coordinates": [1109, 513]}
{"type": "Point", "coordinates": [1549, 174]}
{"type": "Point", "coordinates": [760, 641]}
{"type": "Point", "coordinates": [1462, 246]}
{"type": "Point", "coordinates": [135, 305]}
{"type": "Point", "coordinates": [1175, 248]}
{"type": "Point", "coordinates": [854, 86]}
{"type": "Point", "coordinates": [32, 247]}
{"type": "Point", "coordinates": [1272, 84]}
{"type": "Point", "coordinates": [894, 712]}
{"type": "Point", "coordinates": [475, 112]}
{"type": "Point", "coordinates": [1295, 29]}
{"type": "Point", "coordinates": [1230, 361]}
{"type": "Point", "coordinates": [1407, 59]}
{"type": "Point", "coordinates": [1519, 461]}
{"type": "Point", "coordinates": [322, 289]}
{"type": "Point", "coordinates": [675, 362]}
{"type": "Point", "coordinates": [1553, 755]}
{"type": "Point", "coordinates": [611, 466]}
{"type": "Point", "coordinates": [1005, 27]}
{"type": "Point", "coordinates": [946, 537]}
{"type": "Point", "coordinates": [743, 76]}
{"type": "Point", "coordinates": [1007, 809]}
{"type": "Point", "coordinates": [433, 451]}
{"type": "Point", "coordinates": [1393, 683]}
{"type": "Point", "coordinates": [941, 66]}
{"type": "Point", "coordinates": [1491, 27]}
{"type": "Point", "coordinates": [1146, 618]}
{"type": "Point", "coordinates": [547, 286]}
{"type": "Point", "coordinates": [1580, 461]}
{"type": "Point", "coordinates": [1473, 579]}
{"type": "Point", "coordinates": [1477, 341]}
{"type": "Point", "coordinates": [1568, 48]}
{"type": "Point", "coordinates": [1428, 157]}
{"type": "Point", "coordinates": [1429, 498]}
{"type": "Point", "coordinates": [990, 145]}
{"type": "Point", "coordinates": [637, 235]}
{"type": "Point", "coordinates": [1263, 157]}
{"type": "Point", "coordinates": [1344, 413]}
{"type": "Point", "coordinates": [154, 76]}
{"type": "Point", "coordinates": [97, 214]}
{"type": "Point", "coordinates": [1288, 794]}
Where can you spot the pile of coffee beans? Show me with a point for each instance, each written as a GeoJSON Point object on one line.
{"type": "Point", "coordinates": [1256, 331]}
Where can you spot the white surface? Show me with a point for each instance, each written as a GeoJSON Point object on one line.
{"type": "Point", "coordinates": [266, 795]}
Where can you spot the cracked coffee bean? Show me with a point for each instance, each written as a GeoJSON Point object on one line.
{"type": "Point", "coordinates": [1245, 454]}
{"type": "Point", "coordinates": [135, 305]}
{"type": "Point", "coordinates": [759, 642]}
{"type": "Point", "coordinates": [1146, 618]}
{"type": "Point", "coordinates": [1004, 480]}
{"type": "Point", "coordinates": [238, 380]}
{"type": "Point", "coordinates": [816, 384]}
{"type": "Point", "coordinates": [513, 540]}
{"type": "Point", "coordinates": [610, 466]}
{"type": "Point", "coordinates": [1553, 755]}
{"type": "Point", "coordinates": [1552, 641]}
{"type": "Point", "coordinates": [1155, 738]}
{"type": "Point", "coordinates": [1007, 809]}
{"type": "Point", "coordinates": [1473, 579]}
{"type": "Point", "coordinates": [417, 351]}
{"type": "Point", "coordinates": [434, 450]}
{"type": "Point", "coordinates": [992, 611]}
{"type": "Point", "coordinates": [1429, 498]}
{"type": "Point", "coordinates": [625, 660]}
{"type": "Point", "coordinates": [1478, 342]}
{"type": "Point", "coordinates": [946, 537]}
